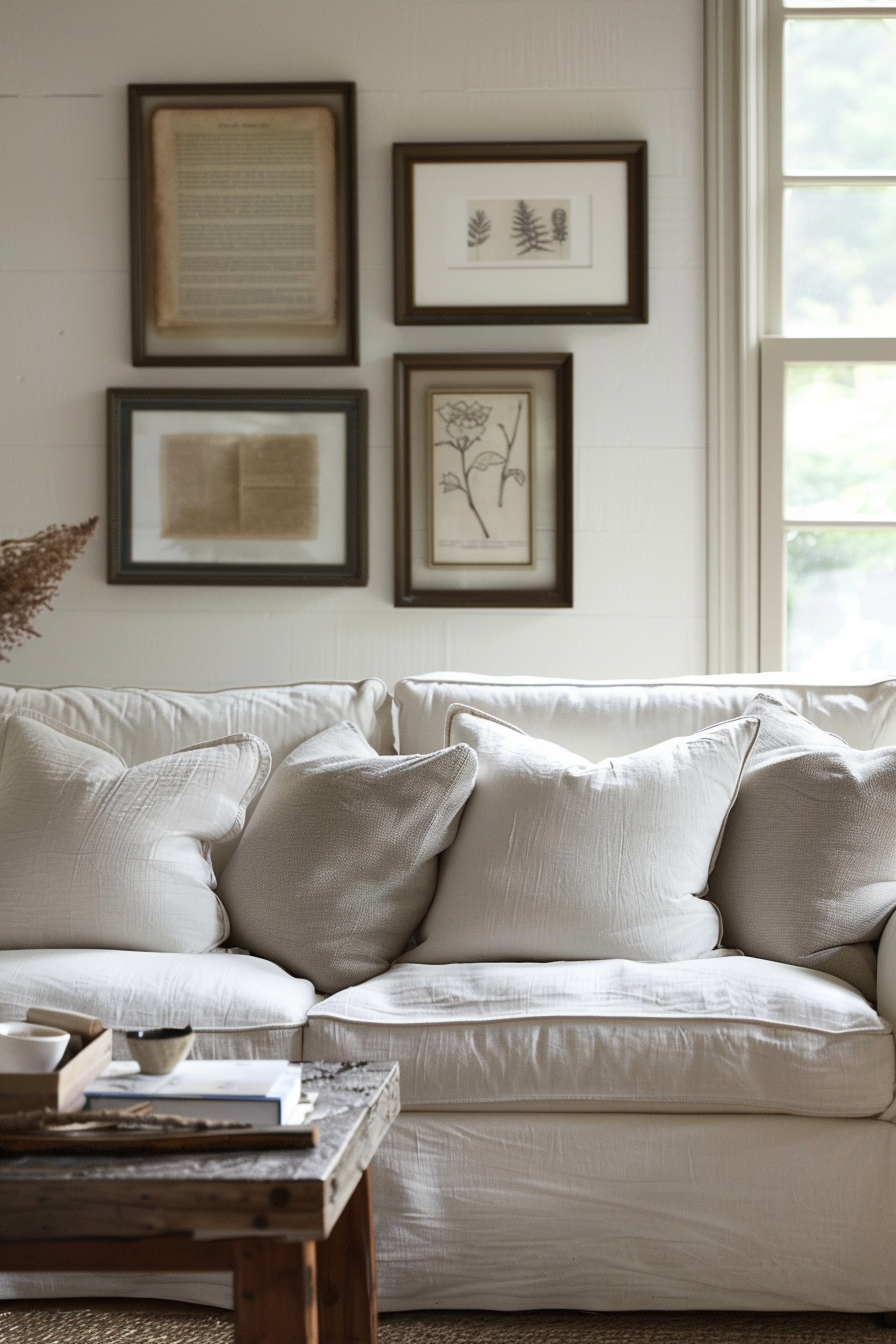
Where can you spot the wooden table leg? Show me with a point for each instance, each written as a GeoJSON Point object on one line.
{"type": "Point", "coordinates": [347, 1274]}
{"type": "Point", "coordinates": [274, 1292]}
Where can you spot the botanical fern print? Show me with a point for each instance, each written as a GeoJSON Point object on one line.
{"type": "Point", "coordinates": [530, 233]}
{"type": "Point", "coordinates": [479, 228]}
{"type": "Point", "coordinates": [529, 230]}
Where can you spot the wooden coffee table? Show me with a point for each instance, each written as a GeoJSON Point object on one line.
{"type": "Point", "coordinates": [294, 1227]}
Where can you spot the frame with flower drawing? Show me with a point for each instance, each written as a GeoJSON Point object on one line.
{"type": "Point", "coordinates": [483, 480]}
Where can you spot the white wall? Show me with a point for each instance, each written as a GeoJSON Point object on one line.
{"type": "Point", "coordinates": [425, 70]}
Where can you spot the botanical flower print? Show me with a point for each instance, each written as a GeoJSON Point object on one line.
{"type": "Point", "coordinates": [488, 439]}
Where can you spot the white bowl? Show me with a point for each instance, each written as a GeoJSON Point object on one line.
{"type": "Point", "coordinates": [27, 1048]}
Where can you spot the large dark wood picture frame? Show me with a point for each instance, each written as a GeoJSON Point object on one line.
{"type": "Point", "coordinates": [483, 480]}
{"type": "Point", "coordinates": [520, 232]}
{"type": "Point", "coordinates": [244, 237]}
{"type": "Point", "coordinates": [255, 486]}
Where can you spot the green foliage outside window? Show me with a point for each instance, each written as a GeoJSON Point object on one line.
{"type": "Point", "coordinates": [840, 117]}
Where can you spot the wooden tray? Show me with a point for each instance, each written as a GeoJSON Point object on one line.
{"type": "Point", "coordinates": [63, 1089]}
{"type": "Point", "coordinates": [106, 1143]}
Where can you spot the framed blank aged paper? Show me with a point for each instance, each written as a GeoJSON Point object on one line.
{"type": "Point", "coordinates": [247, 487]}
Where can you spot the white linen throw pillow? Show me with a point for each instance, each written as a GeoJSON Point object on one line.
{"type": "Point", "coordinates": [338, 863]}
{"type": "Point", "coordinates": [560, 859]}
{"type": "Point", "coordinates": [93, 854]}
{"type": "Point", "coordinates": [807, 870]}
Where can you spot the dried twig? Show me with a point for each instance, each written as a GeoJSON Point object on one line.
{"type": "Point", "coordinates": [31, 569]}
{"type": "Point", "coordinates": [136, 1117]}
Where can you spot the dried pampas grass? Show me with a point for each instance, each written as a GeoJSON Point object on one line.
{"type": "Point", "coordinates": [31, 569]}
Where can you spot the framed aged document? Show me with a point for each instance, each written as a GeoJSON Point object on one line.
{"type": "Point", "coordinates": [483, 480]}
{"type": "Point", "coordinates": [520, 232]}
{"type": "Point", "coordinates": [243, 224]}
{"type": "Point", "coordinates": [247, 487]}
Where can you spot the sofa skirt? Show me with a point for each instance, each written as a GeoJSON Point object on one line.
{"type": "Point", "coordinates": [610, 1213]}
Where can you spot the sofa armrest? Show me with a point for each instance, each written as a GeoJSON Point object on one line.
{"type": "Point", "coordinates": [886, 972]}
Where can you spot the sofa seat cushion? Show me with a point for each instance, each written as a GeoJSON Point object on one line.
{"type": "Point", "coordinates": [722, 1034]}
{"type": "Point", "coordinates": [240, 1007]}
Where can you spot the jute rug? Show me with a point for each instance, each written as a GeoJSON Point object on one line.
{"type": "Point", "coordinates": [83, 1321]}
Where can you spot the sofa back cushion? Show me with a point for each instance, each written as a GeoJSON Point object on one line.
{"type": "Point", "coordinates": [142, 725]}
{"type": "Point", "coordinates": [612, 718]}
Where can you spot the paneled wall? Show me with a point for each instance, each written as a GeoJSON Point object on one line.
{"type": "Point", "coordinates": [425, 70]}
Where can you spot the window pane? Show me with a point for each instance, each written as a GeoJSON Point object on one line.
{"type": "Point", "coordinates": [840, 441]}
{"type": "Point", "coordinates": [840, 95]}
{"type": "Point", "coordinates": [841, 600]}
{"type": "Point", "coordinates": [840, 261]}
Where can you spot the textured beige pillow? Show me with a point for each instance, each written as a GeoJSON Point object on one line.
{"type": "Point", "coordinates": [93, 854]}
{"type": "Point", "coordinates": [807, 869]}
{"type": "Point", "coordinates": [338, 863]}
{"type": "Point", "coordinates": [559, 859]}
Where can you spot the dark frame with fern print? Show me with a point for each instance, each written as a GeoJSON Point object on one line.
{"type": "Point", "coordinates": [483, 480]}
{"type": "Point", "coordinates": [520, 232]}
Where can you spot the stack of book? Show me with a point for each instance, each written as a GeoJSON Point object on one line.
{"type": "Point", "coordinates": [258, 1091]}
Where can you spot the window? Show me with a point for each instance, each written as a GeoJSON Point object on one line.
{"type": "Point", "coordinates": [828, 379]}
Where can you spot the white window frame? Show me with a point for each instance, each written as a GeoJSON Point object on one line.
{"type": "Point", "coordinates": [735, 242]}
{"type": "Point", "coordinates": [779, 352]}
{"type": "Point", "coordinates": [747, 357]}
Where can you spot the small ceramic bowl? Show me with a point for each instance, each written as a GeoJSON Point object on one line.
{"type": "Point", "coordinates": [161, 1049]}
{"type": "Point", "coordinates": [27, 1048]}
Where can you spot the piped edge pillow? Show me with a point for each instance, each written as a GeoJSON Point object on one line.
{"type": "Point", "coordinates": [807, 868]}
{"type": "Point", "coordinates": [96, 854]}
{"type": "Point", "coordinates": [557, 858]}
{"type": "Point", "coordinates": [338, 863]}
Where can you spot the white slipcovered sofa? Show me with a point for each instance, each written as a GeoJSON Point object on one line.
{"type": "Point", "coordinates": [579, 1129]}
